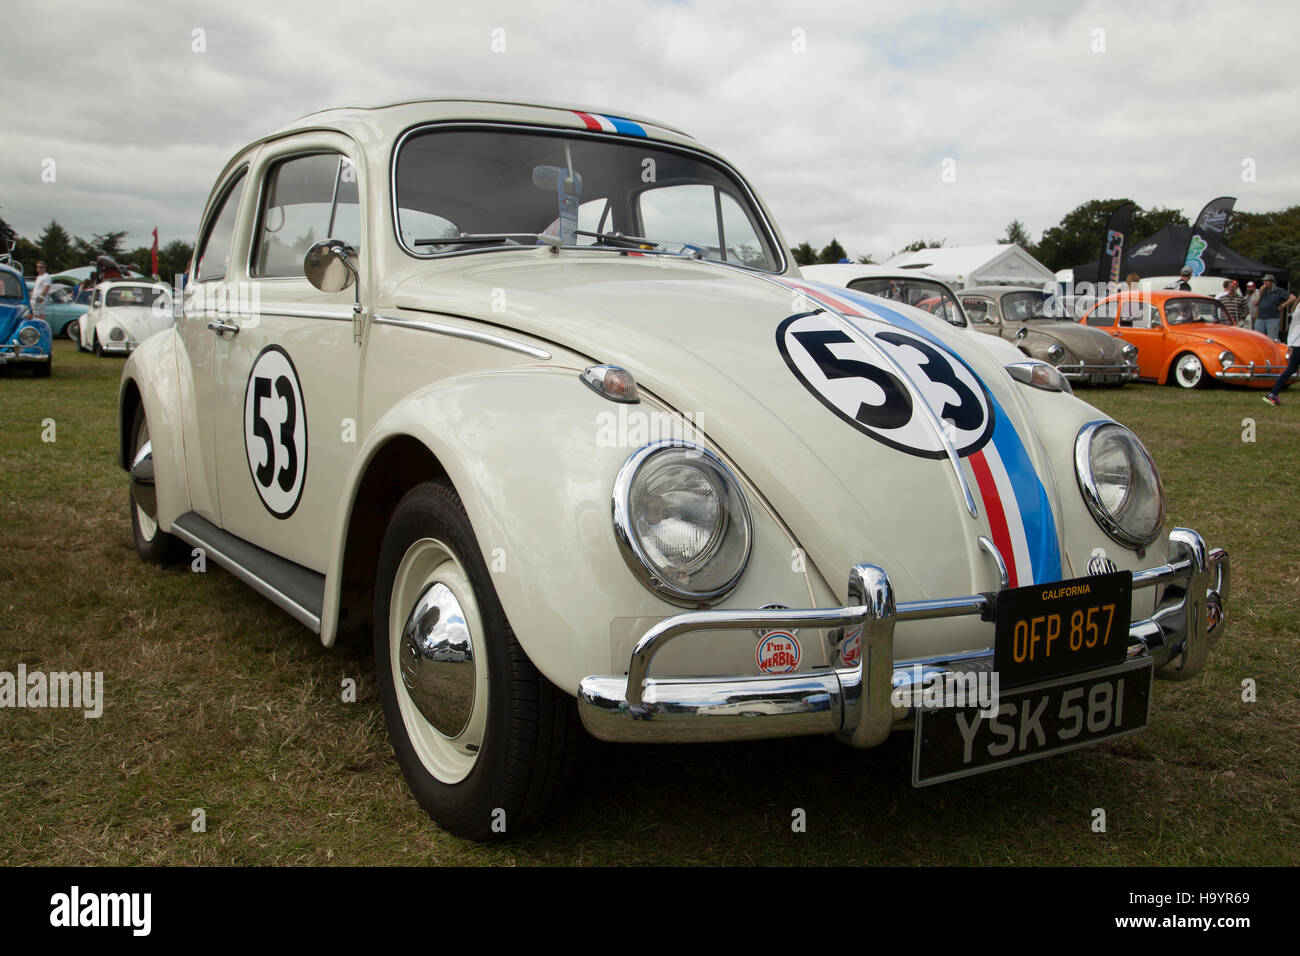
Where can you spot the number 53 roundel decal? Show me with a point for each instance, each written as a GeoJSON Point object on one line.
{"type": "Point", "coordinates": [275, 431]}
{"type": "Point", "coordinates": [858, 383]}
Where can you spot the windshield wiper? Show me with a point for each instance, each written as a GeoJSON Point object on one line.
{"type": "Point", "coordinates": [467, 238]}
{"type": "Point", "coordinates": [621, 240]}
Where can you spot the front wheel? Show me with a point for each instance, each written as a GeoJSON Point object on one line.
{"type": "Point", "coordinates": [486, 743]}
{"type": "Point", "coordinates": [151, 543]}
{"type": "Point", "coordinates": [73, 331]}
{"type": "Point", "coordinates": [1189, 372]}
{"type": "Point", "coordinates": [98, 349]}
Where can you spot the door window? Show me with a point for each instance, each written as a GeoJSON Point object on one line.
{"type": "Point", "coordinates": [306, 199]}
{"type": "Point", "coordinates": [214, 250]}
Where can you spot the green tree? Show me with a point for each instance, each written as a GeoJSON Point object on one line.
{"type": "Point", "coordinates": [1077, 238]}
{"type": "Point", "coordinates": [917, 245]}
{"type": "Point", "coordinates": [1273, 238]}
{"type": "Point", "coordinates": [804, 254]}
{"type": "Point", "coordinates": [56, 247]}
{"type": "Point", "coordinates": [1018, 234]}
{"type": "Point", "coordinates": [833, 252]}
{"type": "Point", "coordinates": [866, 260]}
{"type": "Point", "coordinates": [109, 243]}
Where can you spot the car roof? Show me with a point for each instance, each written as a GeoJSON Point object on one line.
{"type": "Point", "coordinates": [1159, 295]}
{"type": "Point", "coordinates": [846, 272]}
{"type": "Point", "coordinates": [130, 284]}
{"type": "Point", "coordinates": [1000, 289]}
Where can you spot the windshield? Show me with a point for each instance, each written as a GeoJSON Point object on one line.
{"type": "Point", "coordinates": [132, 295]}
{"type": "Point", "coordinates": [11, 287]}
{"type": "Point", "coordinates": [926, 294]}
{"type": "Point", "coordinates": [1181, 311]}
{"type": "Point", "coordinates": [494, 188]}
{"type": "Point", "coordinates": [1025, 306]}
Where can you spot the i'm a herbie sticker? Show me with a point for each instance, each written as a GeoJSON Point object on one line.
{"type": "Point", "coordinates": [777, 653]}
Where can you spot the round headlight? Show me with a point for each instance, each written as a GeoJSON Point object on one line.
{"type": "Point", "coordinates": [116, 333]}
{"type": "Point", "coordinates": [1056, 352]}
{"type": "Point", "coordinates": [29, 335]}
{"type": "Point", "coordinates": [682, 522]}
{"type": "Point", "coordinates": [1120, 483]}
{"type": "Point", "coordinates": [1226, 358]}
{"type": "Point", "coordinates": [1130, 351]}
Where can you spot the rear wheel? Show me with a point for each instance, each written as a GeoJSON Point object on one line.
{"type": "Point", "coordinates": [151, 543]}
{"type": "Point", "coordinates": [486, 743]}
{"type": "Point", "coordinates": [1189, 372]}
{"type": "Point", "coordinates": [73, 331]}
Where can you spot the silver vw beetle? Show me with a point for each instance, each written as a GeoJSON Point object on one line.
{"type": "Point", "coordinates": [534, 398]}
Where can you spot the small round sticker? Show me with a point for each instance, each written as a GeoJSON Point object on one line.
{"type": "Point", "coordinates": [275, 431]}
{"type": "Point", "coordinates": [778, 653]}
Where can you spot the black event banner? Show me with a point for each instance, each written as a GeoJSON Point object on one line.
{"type": "Point", "coordinates": [1115, 243]}
{"type": "Point", "coordinates": [1207, 235]}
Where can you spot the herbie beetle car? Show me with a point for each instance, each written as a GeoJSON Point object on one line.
{"type": "Point", "coordinates": [549, 412]}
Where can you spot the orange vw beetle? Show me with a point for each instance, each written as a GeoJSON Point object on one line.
{"type": "Point", "coordinates": [1188, 339]}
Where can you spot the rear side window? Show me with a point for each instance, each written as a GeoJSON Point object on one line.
{"type": "Point", "coordinates": [214, 251]}
{"type": "Point", "coordinates": [307, 199]}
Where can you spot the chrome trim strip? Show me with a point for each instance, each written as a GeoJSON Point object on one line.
{"type": "Point", "coordinates": [340, 314]}
{"type": "Point", "coordinates": [268, 591]}
{"type": "Point", "coordinates": [472, 334]}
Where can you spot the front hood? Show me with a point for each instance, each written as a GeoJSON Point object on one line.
{"type": "Point", "coordinates": [1086, 344]}
{"type": "Point", "coordinates": [1246, 344]}
{"type": "Point", "coordinates": [9, 315]}
{"type": "Point", "coordinates": [138, 321]}
{"type": "Point", "coordinates": [722, 346]}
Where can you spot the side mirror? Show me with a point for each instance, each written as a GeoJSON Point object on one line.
{"type": "Point", "coordinates": [329, 265]}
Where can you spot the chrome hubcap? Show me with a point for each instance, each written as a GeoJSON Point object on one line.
{"type": "Point", "coordinates": [438, 667]}
{"type": "Point", "coordinates": [140, 494]}
{"type": "Point", "coordinates": [438, 660]}
{"type": "Point", "coordinates": [1189, 370]}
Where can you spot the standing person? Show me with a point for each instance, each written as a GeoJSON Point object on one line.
{"type": "Point", "coordinates": [1183, 284]}
{"type": "Point", "coordinates": [1268, 302]}
{"type": "Point", "coordinates": [40, 291]}
{"type": "Point", "coordinates": [1292, 363]}
{"type": "Point", "coordinates": [1233, 302]}
{"type": "Point", "coordinates": [1252, 306]}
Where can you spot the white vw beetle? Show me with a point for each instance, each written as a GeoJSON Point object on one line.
{"type": "Point", "coordinates": [535, 398]}
{"type": "Point", "coordinates": [122, 315]}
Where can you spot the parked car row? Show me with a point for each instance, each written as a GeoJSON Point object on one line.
{"type": "Point", "coordinates": [615, 464]}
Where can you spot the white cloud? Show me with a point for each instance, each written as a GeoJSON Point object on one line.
{"type": "Point", "coordinates": [845, 139]}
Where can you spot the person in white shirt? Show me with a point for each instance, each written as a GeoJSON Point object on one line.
{"type": "Point", "coordinates": [40, 291]}
{"type": "Point", "coordinates": [1292, 361]}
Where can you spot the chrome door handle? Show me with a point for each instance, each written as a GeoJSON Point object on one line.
{"type": "Point", "coordinates": [220, 327]}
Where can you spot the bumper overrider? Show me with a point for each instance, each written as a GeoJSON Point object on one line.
{"type": "Point", "coordinates": [856, 701]}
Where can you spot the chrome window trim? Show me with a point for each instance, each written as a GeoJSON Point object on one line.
{"type": "Point", "coordinates": [205, 231]}
{"type": "Point", "coordinates": [274, 162]}
{"type": "Point", "coordinates": [770, 233]}
{"type": "Point", "coordinates": [1088, 485]}
{"type": "Point", "coordinates": [630, 547]}
{"type": "Point", "coordinates": [474, 335]}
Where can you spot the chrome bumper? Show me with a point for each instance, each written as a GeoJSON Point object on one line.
{"type": "Point", "coordinates": [1086, 373]}
{"type": "Point", "coordinates": [1239, 373]}
{"type": "Point", "coordinates": [855, 700]}
{"type": "Point", "coordinates": [22, 353]}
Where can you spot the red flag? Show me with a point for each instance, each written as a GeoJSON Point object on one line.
{"type": "Point", "coordinates": [153, 254]}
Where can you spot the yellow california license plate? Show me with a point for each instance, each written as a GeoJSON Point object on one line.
{"type": "Point", "coordinates": [1050, 630]}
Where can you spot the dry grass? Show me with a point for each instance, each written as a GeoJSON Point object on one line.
{"type": "Point", "coordinates": [216, 700]}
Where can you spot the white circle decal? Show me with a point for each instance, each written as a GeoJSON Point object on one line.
{"type": "Point", "coordinates": [857, 377]}
{"type": "Point", "coordinates": [275, 431]}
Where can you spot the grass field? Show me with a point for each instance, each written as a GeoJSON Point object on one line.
{"type": "Point", "coordinates": [217, 700]}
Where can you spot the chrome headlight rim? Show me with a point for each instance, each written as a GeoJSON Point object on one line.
{"type": "Point", "coordinates": [117, 334]}
{"type": "Point", "coordinates": [29, 335]}
{"type": "Point", "coordinates": [1056, 353]}
{"type": "Point", "coordinates": [634, 553]}
{"type": "Point", "coordinates": [1092, 494]}
{"type": "Point", "coordinates": [1226, 358]}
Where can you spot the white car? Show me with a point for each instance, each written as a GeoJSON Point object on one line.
{"type": "Point", "coordinates": [124, 314]}
{"type": "Point", "coordinates": [533, 398]}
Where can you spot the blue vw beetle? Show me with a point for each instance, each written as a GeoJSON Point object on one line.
{"type": "Point", "coordinates": [23, 337]}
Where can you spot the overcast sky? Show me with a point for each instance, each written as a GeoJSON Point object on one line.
{"type": "Point", "coordinates": [842, 115]}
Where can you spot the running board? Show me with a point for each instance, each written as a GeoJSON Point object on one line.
{"type": "Point", "coordinates": [291, 587]}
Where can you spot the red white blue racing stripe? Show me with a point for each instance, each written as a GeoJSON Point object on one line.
{"type": "Point", "coordinates": [610, 124]}
{"type": "Point", "coordinates": [1016, 504]}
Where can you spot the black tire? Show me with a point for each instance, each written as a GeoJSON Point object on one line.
{"type": "Point", "coordinates": [42, 369]}
{"type": "Point", "coordinates": [73, 331]}
{"type": "Point", "coordinates": [151, 542]}
{"type": "Point", "coordinates": [98, 349]}
{"type": "Point", "coordinates": [530, 733]}
{"type": "Point", "coordinates": [1180, 372]}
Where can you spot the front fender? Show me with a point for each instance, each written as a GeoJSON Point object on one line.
{"type": "Point", "coordinates": [530, 454]}
{"type": "Point", "coordinates": [149, 377]}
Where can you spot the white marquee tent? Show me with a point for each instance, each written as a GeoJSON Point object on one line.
{"type": "Point", "coordinates": [964, 266]}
